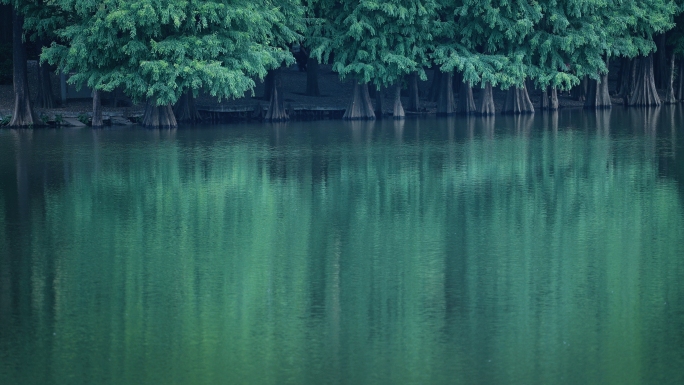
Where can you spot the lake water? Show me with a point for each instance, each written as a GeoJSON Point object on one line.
{"type": "Point", "coordinates": [545, 249]}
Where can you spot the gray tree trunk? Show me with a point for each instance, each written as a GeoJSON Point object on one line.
{"type": "Point", "coordinates": [680, 81]}
{"type": "Point", "coordinates": [545, 98]}
{"type": "Point", "coordinates": [159, 116]}
{"type": "Point", "coordinates": [398, 110]}
{"type": "Point", "coordinates": [435, 86]}
{"type": "Point", "coordinates": [554, 99]}
{"type": "Point", "coordinates": [45, 97]}
{"type": "Point", "coordinates": [379, 102]}
{"type": "Point", "coordinates": [598, 95]}
{"type": "Point", "coordinates": [670, 95]}
{"type": "Point", "coordinates": [97, 109]}
{"type": "Point", "coordinates": [360, 107]}
{"type": "Point", "coordinates": [486, 106]}
{"type": "Point", "coordinates": [185, 109]}
{"type": "Point", "coordinates": [466, 103]}
{"type": "Point", "coordinates": [276, 110]}
{"type": "Point", "coordinates": [518, 101]}
{"type": "Point", "coordinates": [645, 93]}
{"type": "Point", "coordinates": [23, 115]}
{"type": "Point", "coordinates": [414, 101]}
{"type": "Point", "coordinates": [445, 103]}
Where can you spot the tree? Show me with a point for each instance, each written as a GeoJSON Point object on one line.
{"type": "Point", "coordinates": [155, 51]}
{"type": "Point", "coordinates": [373, 42]}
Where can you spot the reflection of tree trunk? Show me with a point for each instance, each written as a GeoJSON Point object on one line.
{"type": "Point", "coordinates": [445, 103]}
{"type": "Point", "coordinates": [670, 96]}
{"type": "Point", "coordinates": [413, 102]}
{"type": "Point", "coordinates": [185, 109]}
{"type": "Point", "coordinates": [645, 93]}
{"type": "Point", "coordinates": [398, 110]}
{"type": "Point", "coordinates": [159, 116]}
{"type": "Point", "coordinates": [23, 115]}
{"type": "Point", "coordinates": [312, 77]}
{"type": "Point", "coordinates": [466, 103]}
{"type": "Point", "coordinates": [517, 101]}
{"type": "Point", "coordinates": [97, 109]}
{"type": "Point", "coordinates": [360, 106]}
{"type": "Point", "coordinates": [486, 106]}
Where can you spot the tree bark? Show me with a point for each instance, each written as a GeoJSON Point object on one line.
{"type": "Point", "coordinates": [97, 109]}
{"type": "Point", "coordinates": [680, 82]}
{"type": "Point", "coordinates": [159, 116]}
{"type": "Point", "coordinates": [445, 103]}
{"type": "Point", "coordinates": [45, 97]}
{"type": "Point", "coordinates": [670, 96]}
{"type": "Point", "coordinates": [554, 99]}
{"type": "Point", "coordinates": [312, 77]}
{"type": "Point", "coordinates": [645, 93]}
{"type": "Point", "coordinates": [23, 115]}
{"type": "Point", "coordinates": [580, 91]}
{"type": "Point", "coordinates": [545, 98]}
{"type": "Point", "coordinates": [626, 70]}
{"type": "Point", "coordinates": [360, 107]}
{"type": "Point", "coordinates": [518, 101]}
{"type": "Point", "coordinates": [466, 103]}
{"type": "Point", "coordinates": [414, 100]}
{"type": "Point", "coordinates": [486, 106]}
{"type": "Point", "coordinates": [398, 110]}
{"type": "Point", "coordinates": [435, 86]}
{"type": "Point", "coordinates": [269, 83]}
{"type": "Point", "coordinates": [276, 111]}
{"type": "Point", "coordinates": [185, 109]}
{"type": "Point", "coordinates": [379, 102]}
{"type": "Point", "coordinates": [598, 95]}
{"type": "Point", "coordinates": [660, 75]}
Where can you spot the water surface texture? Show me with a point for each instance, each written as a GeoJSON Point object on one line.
{"type": "Point", "coordinates": [544, 249]}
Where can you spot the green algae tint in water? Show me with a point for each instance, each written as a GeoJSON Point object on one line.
{"type": "Point", "coordinates": [532, 250]}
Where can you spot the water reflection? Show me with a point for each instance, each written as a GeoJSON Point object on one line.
{"type": "Point", "coordinates": [534, 249]}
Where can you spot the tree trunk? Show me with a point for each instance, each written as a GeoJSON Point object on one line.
{"type": "Point", "coordinates": [466, 103]}
{"type": "Point", "coordinates": [545, 98]}
{"type": "Point", "coordinates": [486, 106]}
{"type": "Point", "coordinates": [276, 111]}
{"type": "Point", "coordinates": [580, 91]}
{"type": "Point", "coordinates": [626, 71]}
{"type": "Point", "coordinates": [645, 93]}
{"type": "Point", "coordinates": [670, 96]}
{"type": "Point", "coordinates": [636, 63]}
{"type": "Point", "coordinates": [45, 98]}
{"type": "Point", "coordinates": [23, 115]}
{"type": "Point", "coordinates": [598, 95]}
{"type": "Point", "coordinates": [312, 77]}
{"type": "Point", "coordinates": [185, 109]}
{"type": "Point", "coordinates": [159, 116]}
{"type": "Point", "coordinates": [518, 101]}
{"type": "Point", "coordinates": [554, 99]}
{"type": "Point", "coordinates": [398, 110]}
{"type": "Point", "coordinates": [436, 86]}
{"type": "Point", "coordinates": [97, 109]}
{"type": "Point", "coordinates": [360, 107]}
{"type": "Point", "coordinates": [269, 83]}
{"type": "Point", "coordinates": [680, 82]}
{"type": "Point", "coordinates": [379, 102]}
{"type": "Point", "coordinates": [414, 101]}
{"type": "Point", "coordinates": [445, 103]}
{"type": "Point", "coordinates": [660, 75]}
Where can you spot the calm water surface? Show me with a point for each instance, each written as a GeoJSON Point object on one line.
{"type": "Point", "coordinates": [530, 250]}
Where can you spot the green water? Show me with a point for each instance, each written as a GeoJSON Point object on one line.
{"type": "Point", "coordinates": [531, 250]}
